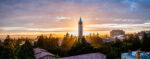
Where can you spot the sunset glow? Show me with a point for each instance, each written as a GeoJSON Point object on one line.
{"type": "Point", "coordinates": [62, 16]}
{"type": "Point", "coordinates": [74, 29]}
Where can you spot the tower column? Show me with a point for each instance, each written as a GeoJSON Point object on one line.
{"type": "Point", "coordinates": [80, 30]}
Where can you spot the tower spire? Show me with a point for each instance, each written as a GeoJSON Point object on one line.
{"type": "Point", "coordinates": [80, 29]}
{"type": "Point", "coordinates": [80, 21]}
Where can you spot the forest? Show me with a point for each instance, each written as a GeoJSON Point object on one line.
{"type": "Point", "coordinates": [22, 48]}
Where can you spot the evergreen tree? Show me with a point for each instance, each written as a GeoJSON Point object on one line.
{"type": "Point", "coordinates": [136, 43]}
{"type": "Point", "coordinates": [95, 40]}
{"type": "Point", "coordinates": [8, 49]}
{"type": "Point", "coordinates": [26, 51]}
{"type": "Point", "coordinates": [67, 43]}
{"type": "Point", "coordinates": [82, 48]}
{"type": "Point", "coordinates": [40, 42]}
{"type": "Point", "coordinates": [145, 42]}
{"type": "Point", "coordinates": [49, 43]}
{"type": "Point", "coordinates": [7, 53]}
{"type": "Point", "coordinates": [1, 48]}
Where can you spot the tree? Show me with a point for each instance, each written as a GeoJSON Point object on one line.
{"type": "Point", "coordinates": [82, 48]}
{"type": "Point", "coordinates": [7, 51]}
{"type": "Point", "coordinates": [117, 42]}
{"type": "Point", "coordinates": [136, 43]}
{"type": "Point", "coordinates": [1, 48]}
{"type": "Point", "coordinates": [49, 43]}
{"type": "Point", "coordinates": [117, 46]}
{"type": "Point", "coordinates": [95, 40]}
{"type": "Point", "coordinates": [9, 43]}
{"type": "Point", "coordinates": [40, 42]}
{"type": "Point", "coordinates": [145, 42]}
{"type": "Point", "coordinates": [67, 43]}
{"type": "Point", "coordinates": [26, 51]}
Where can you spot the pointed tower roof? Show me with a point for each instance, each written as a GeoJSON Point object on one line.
{"type": "Point", "coordinates": [80, 21]}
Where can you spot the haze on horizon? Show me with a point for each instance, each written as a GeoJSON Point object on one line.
{"type": "Point", "coordinates": [59, 16]}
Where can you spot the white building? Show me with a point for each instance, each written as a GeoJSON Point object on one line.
{"type": "Point", "coordinates": [133, 55]}
{"type": "Point", "coordinates": [43, 54]}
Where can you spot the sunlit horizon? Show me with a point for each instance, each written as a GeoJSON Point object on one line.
{"type": "Point", "coordinates": [60, 17]}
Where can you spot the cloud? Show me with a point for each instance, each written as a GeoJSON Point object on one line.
{"type": "Point", "coordinates": [36, 29]}
{"type": "Point", "coordinates": [147, 23]}
{"type": "Point", "coordinates": [120, 26]}
{"type": "Point", "coordinates": [62, 18]}
{"type": "Point", "coordinates": [65, 13]}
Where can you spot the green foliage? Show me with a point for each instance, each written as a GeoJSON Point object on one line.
{"type": "Point", "coordinates": [25, 51]}
{"type": "Point", "coordinates": [145, 42]}
{"type": "Point", "coordinates": [132, 42]}
{"type": "Point", "coordinates": [49, 43]}
{"type": "Point", "coordinates": [12, 49]}
{"type": "Point", "coordinates": [7, 49]}
{"type": "Point", "coordinates": [9, 43]}
{"type": "Point", "coordinates": [95, 40]}
{"type": "Point", "coordinates": [67, 43]}
{"type": "Point", "coordinates": [112, 49]}
{"type": "Point", "coordinates": [136, 43]}
{"type": "Point", "coordinates": [82, 48]}
{"type": "Point", "coordinates": [1, 48]}
{"type": "Point", "coordinates": [7, 53]}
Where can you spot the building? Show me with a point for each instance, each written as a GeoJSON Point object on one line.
{"type": "Point", "coordinates": [43, 54]}
{"type": "Point", "coordinates": [80, 30]}
{"type": "Point", "coordinates": [141, 32]}
{"type": "Point", "coordinates": [2, 41]}
{"type": "Point", "coordinates": [115, 33]}
{"type": "Point", "coordinates": [87, 56]}
{"type": "Point", "coordinates": [133, 55]}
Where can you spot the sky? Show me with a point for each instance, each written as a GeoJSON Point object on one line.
{"type": "Point", "coordinates": [59, 16]}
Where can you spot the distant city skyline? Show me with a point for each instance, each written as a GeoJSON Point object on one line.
{"type": "Point", "coordinates": [61, 16]}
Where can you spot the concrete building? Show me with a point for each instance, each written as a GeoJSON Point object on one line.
{"type": "Point", "coordinates": [80, 30]}
{"type": "Point", "coordinates": [87, 56]}
{"type": "Point", "coordinates": [133, 55]}
{"type": "Point", "coordinates": [43, 54]}
{"type": "Point", "coordinates": [115, 33]}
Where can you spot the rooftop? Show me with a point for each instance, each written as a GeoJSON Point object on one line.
{"type": "Point", "coordinates": [132, 55]}
{"type": "Point", "coordinates": [38, 53]}
{"type": "Point", "coordinates": [87, 56]}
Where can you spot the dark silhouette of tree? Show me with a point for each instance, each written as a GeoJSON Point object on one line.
{"type": "Point", "coordinates": [136, 43]}
{"type": "Point", "coordinates": [82, 48]}
{"type": "Point", "coordinates": [8, 53]}
{"type": "Point", "coordinates": [67, 43]}
{"type": "Point", "coordinates": [145, 42]}
{"type": "Point", "coordinates": [1, 48]}
{"type": "Point", "coordinates": [40, 42]}
{"type": "Point", "coordinates": [8, 49]}
{"type": "Point", "coordinates": [49, 43]}
{"type": "Point", "coordinates": [25, 51]}
{"type": "Point", "coordinates": [95, 40]}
